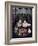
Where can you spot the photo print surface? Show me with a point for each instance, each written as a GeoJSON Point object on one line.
{"type": "Point", "coordinates": [21, 18]}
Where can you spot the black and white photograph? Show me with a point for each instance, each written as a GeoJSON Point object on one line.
{"type": "Point", "coordinates": [22, 21]}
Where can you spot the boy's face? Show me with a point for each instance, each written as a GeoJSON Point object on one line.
{"type": "Point", "coordinates": [23, 31]}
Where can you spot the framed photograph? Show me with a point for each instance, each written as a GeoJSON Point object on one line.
{"type": "Point", "coordinates": [20, 22]}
